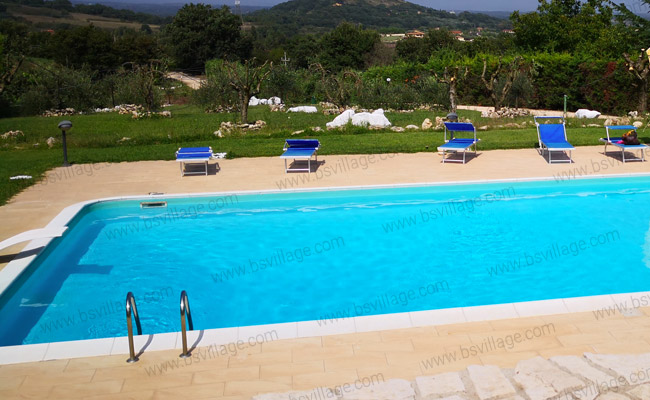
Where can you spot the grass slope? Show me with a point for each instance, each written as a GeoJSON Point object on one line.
{"type": "Point", "coordinates": [99, 138]}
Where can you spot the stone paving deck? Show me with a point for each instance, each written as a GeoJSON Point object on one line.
{"type": "Point", "coordinates": [327, 361]}
{"type": "Point", "coordinates": [591, 376]}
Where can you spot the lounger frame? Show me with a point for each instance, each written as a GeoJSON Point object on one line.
{"type": "Point", "coordinates": [562, 145]}
{"type": "Point", "coordinates": [194, 155]}
{"type": "Point", "coordinates": [623, 147]}
{"type": "Point", "coordinates": [300, 149]}
{"type": "Point", "coordinates": [455, 145]}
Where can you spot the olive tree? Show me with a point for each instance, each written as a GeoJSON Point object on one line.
{"type": "Point", "coordinates": [246, 79]}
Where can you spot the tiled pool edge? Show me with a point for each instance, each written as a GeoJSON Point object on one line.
{"type": "Point", "coordinates": [305, 329]}
{"type": "Point", "coordinates": [293, 330]}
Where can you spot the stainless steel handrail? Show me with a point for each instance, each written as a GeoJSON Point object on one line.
{"type": "Point", "coordinates": [132, 308]}
{"type": "Point", "coordinates": [185, 314]}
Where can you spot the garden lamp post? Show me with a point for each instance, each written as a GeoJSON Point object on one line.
{"type": "Point", "coordinates": [64, 126]}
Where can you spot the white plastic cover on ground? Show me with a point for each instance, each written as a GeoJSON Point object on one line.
{"type": "Point", "coordinates": [377, 118]}
{"type": "Point", "coordinates": [254, 101]}
{"type": "Point", "coordinates": [305, 109]}
{"type": "Point", "coordinates": [584, 113]}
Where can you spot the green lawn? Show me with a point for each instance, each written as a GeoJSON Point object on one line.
{"type": "Point", "coordinates": [97, 138]}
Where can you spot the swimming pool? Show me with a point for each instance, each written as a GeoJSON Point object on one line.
{"type": "Point", "coordinates": [252, 259]}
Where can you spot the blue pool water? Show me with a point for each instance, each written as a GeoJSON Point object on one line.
{"type": "Point", "coordinates": [261, 259]}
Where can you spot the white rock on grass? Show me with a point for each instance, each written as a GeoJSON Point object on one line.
{"type": "Point", "coordinates": [584, 113]}
{"type": "Point", "coordinates": [412, 127]}
{"type": "Point", "coordinates": [303, 109]}
{"type": "Point", "coordinates": [397, 129]}
{"type": "Point", "coordinates": [427, 124]}
{"type": "Point", "coordinates": [637, 124]}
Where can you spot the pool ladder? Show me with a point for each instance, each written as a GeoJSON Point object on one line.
{"type": "Point", "coordinates": [132, 311]}
{"type": "Point", "coordinates": [185, 314]}
{"type": "Point", "coordinates": [130, 306]}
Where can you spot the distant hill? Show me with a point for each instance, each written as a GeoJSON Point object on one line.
{"type": "Point", "coordinates": [163, 9]}
{"type": "Point", "coordinates": [52, 18]}
{"type": "Point", "coordinates": [315, 16]}
{"type": "Point", "coordinates": [496, 14]}
{"type": "Point", "coordinates": [46, 14]}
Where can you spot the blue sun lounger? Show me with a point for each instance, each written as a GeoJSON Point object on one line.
{"type": "Point", "coordinates": [300, 149]}
{"type": "Point", "coordinates": [194, 155]}
{"type": "Point", "coordinates": [455, 145]}
{"type": "Point", "coordinates": [552, 137]}
{"type": "Point", "coordinates": [614, 141]}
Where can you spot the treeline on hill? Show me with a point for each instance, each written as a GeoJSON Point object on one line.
{"type": "Point", "coordinates": [588, 51]}
{"type": "Point", "coordinates": [65, 6]}
{"type": "Point", "coordinates": [319, 16]}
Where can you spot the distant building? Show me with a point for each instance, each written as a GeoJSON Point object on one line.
{"type": "Point", "coordinates": [508, 31]}
{"type": "Point", "coordinates": [415, 34]}
{"type": "Point", "coordinates": [391, 38]}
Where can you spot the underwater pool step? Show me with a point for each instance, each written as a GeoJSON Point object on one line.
{"type": "Point", "coordinates": [34, 234]}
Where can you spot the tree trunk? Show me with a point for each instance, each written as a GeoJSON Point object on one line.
{"type": "Point", "coordinates": [643, 96]}
{"type": "Point", "coordinates": [243, 106]}
{"type": "Point", "coordinates": [495, 101]}
{"type": "Point", "coordinates": [7, 76]}
{"type": "Point", "coordinates": [112, 87]}
{"type": "Point", "coordinates": [453, 95]}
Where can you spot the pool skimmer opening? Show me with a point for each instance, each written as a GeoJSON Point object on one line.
{"type": "Point", "coordinates": [153, 204]}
